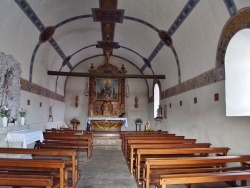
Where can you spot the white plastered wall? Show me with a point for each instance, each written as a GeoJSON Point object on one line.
{"type": "Point", "coordinates": [19, 38]}
{"type": "Point", "coordinates": [196, 46]}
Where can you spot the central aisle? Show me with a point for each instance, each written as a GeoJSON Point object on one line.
{"type": "Point", "coordinates": [106, 168]}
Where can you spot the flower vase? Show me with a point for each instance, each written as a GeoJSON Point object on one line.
{"type": "Point", "coordinates": [22, 120]}
{"type": "Point", "coordinates": [5, 121]}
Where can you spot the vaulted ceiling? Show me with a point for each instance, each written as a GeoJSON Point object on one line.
{"type": "Point", "coordinates": [140, 31]}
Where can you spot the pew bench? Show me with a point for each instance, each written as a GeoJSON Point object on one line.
{"type": "Point", "coordinates": [31, 180]}
{"type": "Point", "coordinates": [145, 154]}
{"type": "Point", "coordinates": [189, 165]}
{"type": "Point", "coordinates": [55, 168]}
{"type": "Point", "coordinates": [143, 133]}
{"type": "Point", "coordinates": [195, 178]}
{"type": "Point", "coordinates": [155, 142]}
{"type": "Point", "coordinates": [68, 155]}
{"type": "Point", "coordinates": [79, 141]}
{"type": "Point", "coordinates": [135, 147]}
{"type": "Point", "coordinates": [143, 136]}
{"type": "Point", "coordinates": [158, 137]}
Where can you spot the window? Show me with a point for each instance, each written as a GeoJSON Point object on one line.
{"type": "Point", "coordinates": [156, 98]}
{"type": "Point", "coordinates": [237, 77]}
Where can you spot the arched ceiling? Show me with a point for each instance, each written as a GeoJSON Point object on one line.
{"type": "Point", "coordinates": [71, 31]}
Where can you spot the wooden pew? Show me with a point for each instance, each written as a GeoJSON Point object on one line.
{"type": "Point", "coordinates": [79, 141]}
{"type": "Point", "coordinates": [189, 165]}
{"type": "Point", "coordinates": [158, 137]}
{"type": "Point", "coordinates": [30, 180]}
{"type": "Point", "coordinates": [124, 137]}
{"type": "Point", "coordinates": [142, 134]}
{"type": "Point", "coordinates": [143, 154]}
{"type": "Point", "coordinates": [203, 178]}
{"type": "Point", "coordinates": [135, 147]}
{"type": "Point", "coordinates": [36, 166]}
{"type": "Point", "coordinates": [147, 143]}
{"type": "Point", "coordinates": [68, 154]}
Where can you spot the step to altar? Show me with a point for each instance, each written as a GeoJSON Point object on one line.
{"type": "Point", "coordinates": [107, 138]}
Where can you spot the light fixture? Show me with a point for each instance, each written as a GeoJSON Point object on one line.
{"type": "Point", "coordinates": [86, 92]}
{"type": "Point", "coordinates": [127, 89]}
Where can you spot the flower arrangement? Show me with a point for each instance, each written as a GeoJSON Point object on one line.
{"type": "Point", "coordinates": [138, 121]}
{"type": "Point", "coordinates": [22, 112]}
{"type": "Point", "coordinates": [4, 111]}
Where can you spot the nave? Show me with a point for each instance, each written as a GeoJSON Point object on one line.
{"type": "Point", "coordinates": [106, 168]}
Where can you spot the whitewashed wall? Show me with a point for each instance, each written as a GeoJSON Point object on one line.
{"type": "Point", "coordinates": [18, 38]}
{"type": "Point", "coordinates": [196, 46]}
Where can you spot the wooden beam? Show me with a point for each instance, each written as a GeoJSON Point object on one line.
{"type": "Point", "coordinates": [81, 74]}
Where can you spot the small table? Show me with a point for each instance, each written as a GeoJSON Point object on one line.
{"type": "Point", "coordinates": [26, 136]}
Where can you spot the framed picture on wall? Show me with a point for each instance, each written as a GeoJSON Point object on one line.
{"type": "Point", "coordinates": [107, 89]}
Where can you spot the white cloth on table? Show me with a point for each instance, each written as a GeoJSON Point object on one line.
{"type": "Point", "coordinates": [26, 136]}
{"type": "Point", "coordinates": [108, 118]}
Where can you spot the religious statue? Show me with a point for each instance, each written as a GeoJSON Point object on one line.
{"type": "Point", "coordinates": [136, 102]}
{"type": "Point", "coordinates": [107, 107]}
{"type": "Point", "coordinates": [159, 111]}
{"type": "Point", "coordinates": [148, 127]}
{"type": "Point", "coordinates": [50, 119]}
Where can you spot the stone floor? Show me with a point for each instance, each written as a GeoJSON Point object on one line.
{"type": "Point", "coordinates": [106, 168]}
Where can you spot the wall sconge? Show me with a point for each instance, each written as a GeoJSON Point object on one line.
{"type": "Point", "coordinates": [86, 92]}
{"type": "Point", "coordinates": [127, 89]}
{"type": "Point", "coordinates": [76, 101]}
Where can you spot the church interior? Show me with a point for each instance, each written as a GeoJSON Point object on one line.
{"type": "Point", "coordinates": [99, 75]}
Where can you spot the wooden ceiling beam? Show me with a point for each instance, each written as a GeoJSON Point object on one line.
{"type": "Point", "coordinates": [80, 74]}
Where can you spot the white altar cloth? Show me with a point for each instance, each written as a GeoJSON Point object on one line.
{"type": "Point", "coordinates": [108, 118]}
{"type": "Point", "coordinates": [26, 136]}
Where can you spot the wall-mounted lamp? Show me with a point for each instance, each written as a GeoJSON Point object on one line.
{"type": "Point", "coordinates": [76, 101]}
{"type": "Point", "coordinates": [127, 89]}
{"type": "Point", "coordinates": [86, 91]}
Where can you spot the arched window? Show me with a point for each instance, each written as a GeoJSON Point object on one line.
{"type": "Point", "coordinates": [237, 77]}
{"type": "Point", "coordinates": [156, 98]}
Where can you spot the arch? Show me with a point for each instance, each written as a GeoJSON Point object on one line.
{"type": "Point", "coordinates": [237, 79]}
{"type": "Point", "coordinates": [234, 24]}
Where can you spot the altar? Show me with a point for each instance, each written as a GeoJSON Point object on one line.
{"type": "Point", "coordinates": [107, 123]}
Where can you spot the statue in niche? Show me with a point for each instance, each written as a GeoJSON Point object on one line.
{"type": "Point", "coordinates": [107, 108]}
{"type": "Point", "coordinates": [159, 111]}
{"type": "Point", "coordinates": [50, 119]}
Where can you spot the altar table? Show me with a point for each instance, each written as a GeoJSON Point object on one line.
{"type": "Point", "coordinates": [107, 123]}
{"type": "Point", "coordinates": [26, 136]}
